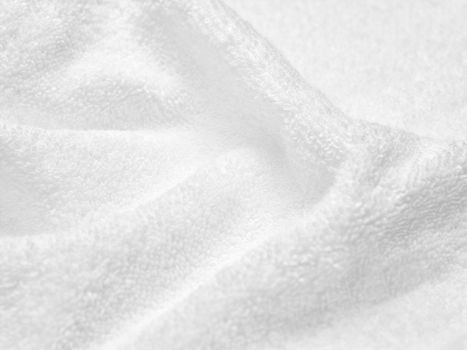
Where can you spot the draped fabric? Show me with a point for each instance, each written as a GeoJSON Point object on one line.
{"type": "Point", "coordinates": [170, 181]}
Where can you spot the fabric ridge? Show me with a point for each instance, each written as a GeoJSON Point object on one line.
{"type": "Point", "coordinates": [170, 181]}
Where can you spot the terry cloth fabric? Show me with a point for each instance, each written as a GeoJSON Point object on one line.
{"type": "Point", "coordinates": [169, 181]}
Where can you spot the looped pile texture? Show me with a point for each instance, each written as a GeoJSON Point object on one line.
{"type": "Point", "coordinates": [169, 181]}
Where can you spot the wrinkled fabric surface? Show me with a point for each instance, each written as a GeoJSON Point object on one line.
{"type": "Point", "coordinates": [170, 181]}
{"type": "Point", "coordinates": [395, 62]}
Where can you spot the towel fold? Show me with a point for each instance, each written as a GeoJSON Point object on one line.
{"type": "Point", "coordinates": [169, 181]}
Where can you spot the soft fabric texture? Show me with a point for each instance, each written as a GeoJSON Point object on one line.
{"type": "Point", "coordinates": [169, 181]}
{"type": "Point", "coordinates": [401, 63]}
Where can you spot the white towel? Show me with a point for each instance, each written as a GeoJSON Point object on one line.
{"type": "Point", "coordinates": [169, 181]}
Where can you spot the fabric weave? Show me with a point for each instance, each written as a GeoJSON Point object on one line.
{"type": "Point", "coordinates": [169, 181]}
